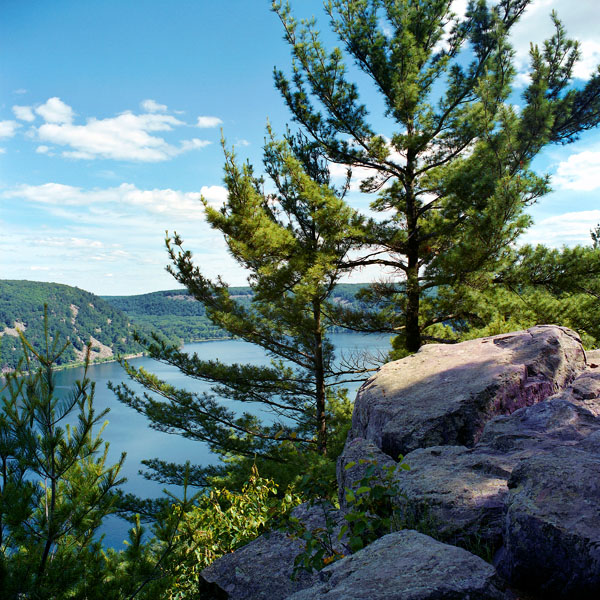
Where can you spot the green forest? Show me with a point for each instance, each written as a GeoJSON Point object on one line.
{"type": "Point", "coordinates": [180, 317]}
{"type": "Point", "coordinates": [79, 316]}
{"type": "Point", "coordinates": [74, 315]}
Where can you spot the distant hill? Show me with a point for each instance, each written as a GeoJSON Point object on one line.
{"type": "Point", "coordinates": [73, 313]}
{"type": "Point", "coordinates": [107, 321]}
{"type": "Point", "coordinates": [176, 314]}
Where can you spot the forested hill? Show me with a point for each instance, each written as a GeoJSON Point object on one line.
{"type": "Point", "coordinates": [176, 314]}
{"type": "Point", "coordinates": [108, 321]}
{"type": "Point", "coordinates": [73, 313]}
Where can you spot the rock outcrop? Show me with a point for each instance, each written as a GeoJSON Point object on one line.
{"type": "Point", "coordinates": [502, 436]}
{"type": "Point", "coordinates": [445, 394]}
{"type": "Point", "coordinates": [552, 523]}
{"type": "Point", "coordinates": [407, 565]}
{"type": "Point", "coordinates": [262, 570]}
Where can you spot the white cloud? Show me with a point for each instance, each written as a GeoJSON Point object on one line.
{"type": "Point", "coordinates": [24, 113]}
{"type": "Point", "coordinates": [157, 201]}
{"type": "Point", "coordinates": [193, 144]}
{"type": "Point", "coordinates": [153, 106]}
{"type": "Point", "coordinates": [522, 80]}
{"type": "Point", "coordinates": [590, 59]}
{"type": "Point", "coordinates": [20, 91]}
{"type": "Point", "coordinates": [38, 268]}
{"type": "Point", "coordinates": [359, 174]}
{"type": "Point", "coordinates": [2, 150]}
{"type": "Point", "coordinates": [579, 172]}
{"type": "Point", "coordinates": [42, 149]}
{"type": "Point", "coordinates": [242, 143]}
{"type": "Point", "coordinates": [81, 234]}
{"type": "Point", "coordinates": [208, 122]}
{"type": "Point", "coordinates": [580, 19]}
{"type": "Point", "coordinates": [8, 128]}
{"type": "Point", "coordinates": [69, 242]}
{"type": "Point", "coordinates": [567, 229]}
{"type": "Point", "coordinates": [125, 137]}
{"type": "Point", "coordinates": [215, 195]}
{"type": "Point", "coordinates": [54, 110]}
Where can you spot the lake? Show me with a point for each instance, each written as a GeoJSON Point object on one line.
{"type": "Point", "coordinates": [128, 431]}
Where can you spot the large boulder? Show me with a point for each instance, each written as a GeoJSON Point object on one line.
{"type": "Point", "coordinates": [525, 483]}
{"type": "Point", "coordinates": [552, 523]}
{"type": "Point", "coordinates": [407, 565]}
{"type": "Point", "coordinates": [461, 492]}
{"type": "Point", "coordinates": [445, 394]}
{"type": "Point", "coordinates": [262, 570]}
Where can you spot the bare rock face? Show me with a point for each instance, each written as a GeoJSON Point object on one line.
{"type": "Point", "coordinates": [462, 491]}
{"type": "Point", "coordinates": [262, 570]}
{"type": "Point", "coordinates": [552, 524]}
{"type": "Point", "coordinates": [407, 565]}
{"type": "Point", "coordinates": [585, 389]}
{"type": "Point", "coordinates": [445, 394]}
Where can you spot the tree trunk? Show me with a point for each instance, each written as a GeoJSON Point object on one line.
{"type": "Point", "coordinates": [413, 291]}
{"type": "Point", "coordinates": [320, 381]}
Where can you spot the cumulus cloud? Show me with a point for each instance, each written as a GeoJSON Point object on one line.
{"type": "Point", "coordinates": [215, 195]}
{"type": "Point", "coordinates": [205, 122]}
{"type": "Point", "coordinates": [579, 172]}
{"type": "Point", "coordinates": [153, 106]}
{"type": "Point", "coordinates": [174, 203]}
{"type": "Point", "coordinates": [567, 229]}
{"type": "Point", "coordinates": [24, 113]}
{"type": "Point", "coordinates": [580, 20]}
{"type": "Point", "coordinates": [8, 128]}
{"type": "Point", "coordinates": [590, 59]}
{"type": "Point", "coordinates": [193, 144]}
{"type": "Point", "coordinates": [127, 136]}
{"type": "Point", "coordinates": [54, 110]}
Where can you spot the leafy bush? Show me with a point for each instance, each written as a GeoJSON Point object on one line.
{"type": "Point", "coordinates": [220, 522]}
{"type": "Point", "coordinates": [373, 509]}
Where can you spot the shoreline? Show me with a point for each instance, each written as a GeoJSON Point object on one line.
{"type": "Point", "coordinates": [102, 361]}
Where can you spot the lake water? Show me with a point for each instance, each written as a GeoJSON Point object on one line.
{"type": "Point", "coordinates": [128, 431]}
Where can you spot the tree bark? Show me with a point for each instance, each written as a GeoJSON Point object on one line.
{"type": "Point", "coordinates": [320, 381]}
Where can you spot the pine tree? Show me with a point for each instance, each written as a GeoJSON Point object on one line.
{"type": "Point", "coordinates": [548, 285]}
{"type": "Point", "coordinates": [595, 234]}
{"type": "Point", "coordinates": [452, 170]}
{"type": "Point", "coordinates": [55, 484]}
{"type": "Point", "coordinates": [293, 242]}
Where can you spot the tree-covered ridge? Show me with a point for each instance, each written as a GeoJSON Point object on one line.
{"type": "Point", "coordinates": [177, 315]}
{"type": "Point", "coordinates": [74, 314]}
{"type": "Point", "coordinates": [109, 321]}
{"type": "Point", "coordinates": [181, 304]}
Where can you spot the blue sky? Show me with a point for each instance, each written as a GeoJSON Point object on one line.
{"type": "Point", "coordinates": [110, 121]}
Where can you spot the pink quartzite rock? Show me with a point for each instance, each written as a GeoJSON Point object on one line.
{"type": "Point", "coordinates": [552, 523]}
{"type": "Point", "coordinates": [445, 394]}
{"type": "Point", "coordinates": [463, 491]}
{"type": "Point", "coordinates": [407, 566]}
